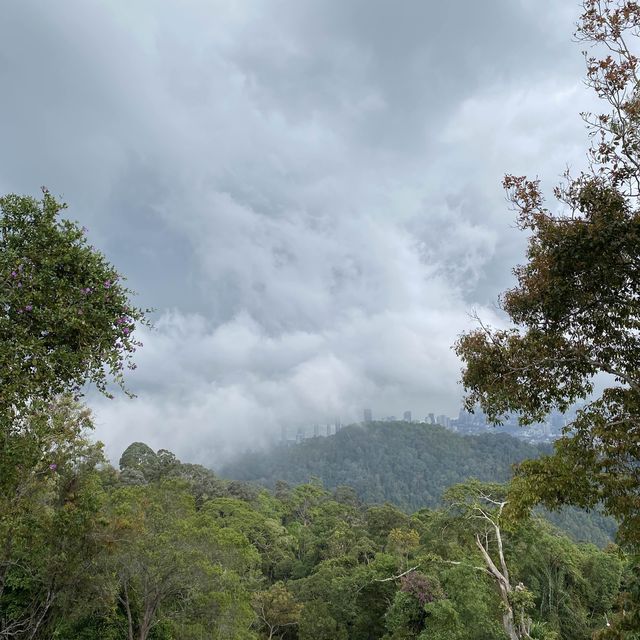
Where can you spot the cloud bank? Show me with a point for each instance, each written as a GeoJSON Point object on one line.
{"type": "Point", "coordinates": [307, 193]}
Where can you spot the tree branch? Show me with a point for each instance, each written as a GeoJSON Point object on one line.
{"type": "Point", "coordinates": [404, 573]}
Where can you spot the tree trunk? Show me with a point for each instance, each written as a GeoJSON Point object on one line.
{"type": "Point", "coordinates": [127, 607]}
{"type": "Point", "coordinates": [151, 606]}
{"type": "Point", "coordinates": [508, 621]}
{"type": "Point", "coordinates": [508, 625]}
{"type": "Point", "coordinates": [502, 579]}
{"type": "Point", "coordinates": [145, 626]}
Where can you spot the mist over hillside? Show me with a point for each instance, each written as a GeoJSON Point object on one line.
{"type": "Point", "coordinates": [409, 465]}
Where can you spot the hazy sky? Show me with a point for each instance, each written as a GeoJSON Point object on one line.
{"type": "Point", "coordinates": [306, 191]}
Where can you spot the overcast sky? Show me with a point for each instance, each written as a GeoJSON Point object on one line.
{"type": "Point", "coordinates": [306, 191]}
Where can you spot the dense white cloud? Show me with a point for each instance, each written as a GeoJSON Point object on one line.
{"type": "Point", "coordinates": [206, 390]}
{"type": "Point", "coordinates": [308, 193]}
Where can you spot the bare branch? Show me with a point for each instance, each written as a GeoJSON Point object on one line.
{"type": "Point", "coordinates": [404, 573]}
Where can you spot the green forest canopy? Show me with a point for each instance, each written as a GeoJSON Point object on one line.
{"type": "Point", "coordinates": [408, 465]}
{"type": "Point", "coordinates": [161, 549]}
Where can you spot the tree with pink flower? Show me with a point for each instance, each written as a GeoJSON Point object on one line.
{"type": "Point", "coordinates": [66, 317]}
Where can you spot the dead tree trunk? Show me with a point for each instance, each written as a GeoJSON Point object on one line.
{"type": "Point", "coordinates": [515, 629]}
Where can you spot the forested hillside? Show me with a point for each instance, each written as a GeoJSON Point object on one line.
{"type": "Point", "coordinates": [408, 465]}
{"type": "Point", "coordinates": [160, 549]}
{"type": "Point", "coordinates": [393, 531]}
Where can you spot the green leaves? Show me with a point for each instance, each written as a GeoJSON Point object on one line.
{"type": "Point", "coordinates": [184, 565]}
{"type": "Point", "coordinates": [174, 564]}
{"type": "Point", "coordinates": [576, 307]}
{"type": "Point", "coordinates": [65, 315]}
{"type": "Point", "coordinates": [276, 609]}
{"type": "Point", "coordinates": [50, 501]}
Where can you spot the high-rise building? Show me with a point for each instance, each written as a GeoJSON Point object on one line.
{"type": "Point", "coordinates": [367, 416]}
{"type": "Point", "coordinates": [316, 430]}
{"type": "Point", "coordinates": [407, 416]}
{"type": "Point", "coordinates": [338, 425]}
{"type": "Point", "coordinates": [432, 419]}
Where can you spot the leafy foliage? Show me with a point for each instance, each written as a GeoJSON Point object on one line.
{"type": "Point", "coordinates": [408, 465]}
{"type": "Point", "coordinates": [173, 565]}
{"type": "Point", "coordinates": [160, 558]}
{"type": "Point", "coordinates": [65, 316]}
{"type": "Point", "coordinates": [163, 550]}
{"type": "Point", "coordinates": [50, 503]}
{"type": "Point", "coordinates": [576, 307]}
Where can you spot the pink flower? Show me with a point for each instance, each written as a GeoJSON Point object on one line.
{"type": "Point", "coordinates": [53, 466]}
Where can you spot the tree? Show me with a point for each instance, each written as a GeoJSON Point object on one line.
{"type": "Point", "coordinates": [576, 306]}
{"type": "Point", "coordinates": [138, 464]}
{"type": "Point", "coordinates": [65, 320]}
{"type": "Point", "coordinates": [626, 622]}
{"type": "Point", "coordinates": [317, 623]}
{"type": "Point", "coordinates": [65, 315]}
{"type": "Point", "coordinates": [403, 542]}
{"type": "Point", "coordinates": [276, 610]}
{"type": "Point", "coordinates": [175, 566]}
{"type": "Point", "coordinates": [413, 607]}
{"type": "Point", "coordinates": [483, 505]}
{"type": "Point", "coordinates": [267, 535]}
{"type": "Point", "coordinates": [50, 501]}
{"type": "Point", "coordinates": [575, 586]}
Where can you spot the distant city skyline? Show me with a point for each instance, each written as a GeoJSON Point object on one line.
{"type": "Point", "coordinates": [465, 424]}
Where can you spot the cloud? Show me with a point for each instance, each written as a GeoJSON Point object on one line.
{"type": "Point", "coordinates": [308, 193]}
{"type": "Point", "coordinates": [210, 391]}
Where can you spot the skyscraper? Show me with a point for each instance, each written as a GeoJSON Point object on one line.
{"type": "Point", "coordinates": [407, 416]}
{"type": "Point", "coordinates": [367, 416]}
